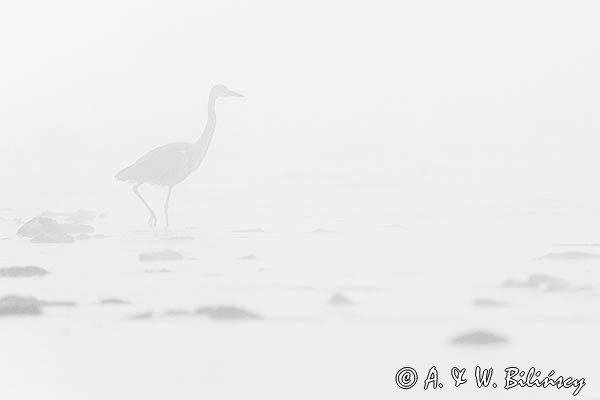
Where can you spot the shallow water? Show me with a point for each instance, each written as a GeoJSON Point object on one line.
{"type": "Point", "coordinates": [412, 290]}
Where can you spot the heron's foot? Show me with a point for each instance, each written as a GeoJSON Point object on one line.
{"type": "Point", "coordinates": [152, 220]}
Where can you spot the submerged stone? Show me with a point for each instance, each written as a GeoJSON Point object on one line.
{"type": "Point", "coordinates": [113, 301]}
{"type": "Point", "coordinates": [22, 272]}
{"type": "Point", "coordinates": [38, 226]}
{"type": "Point", "coordinates": [52, 238]}
{"type": "Point", "coordinates": [225, 312]}
{"type": "Point", "coordinates": [339, 299]}
{"type": "Point", "coordinates": [479, 338]}
{"type": "Point", "coordinates": [162, 255]}
{"type": "Point", "coordinates": [19, 305]}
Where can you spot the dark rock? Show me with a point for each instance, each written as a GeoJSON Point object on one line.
{"type": "Point", "coordinates": [249, 257]}
{"type": "Point", "coordinates": [142, 316]}
{"type": "Point", "coordinates": [113, 301]}
{"type": "Point", "coordinates": [479, 338]}
{"type": "Point", "coordinates": [227, 313]}
{"type": "Point", "coordinates": [481, 302]}
{"type": "Point", "coordinates": [163, 255]}
{"type": "Point", "coordinates": [47, 230]}
{"type": "Point", "coordinates": [340, 300]}
{"type": "Point", "coordinates": [22, 272]}
{"type": "Point", "coordinates": [38, 226]}
{"type": "Point", "coordinates": [547, 281]}
{"type": "Point", "coordinates": [52, 238]}
{"type": "Point", "coordinates": [19, 305]}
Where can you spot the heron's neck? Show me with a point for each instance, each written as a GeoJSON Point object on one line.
{"type": "Point", "coordinates": [211, 121]}
{"type": "Point", "coordinates": [201, 145]}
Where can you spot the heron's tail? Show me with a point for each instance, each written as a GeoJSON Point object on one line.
{"type": "Point", "coordinates": [124, 174]}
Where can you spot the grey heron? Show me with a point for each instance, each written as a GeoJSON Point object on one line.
{"type": "Point", "coordinates": [170, 164]}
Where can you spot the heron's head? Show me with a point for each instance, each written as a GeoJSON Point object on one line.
{"type": "Point", "coordinates": [223, 91]}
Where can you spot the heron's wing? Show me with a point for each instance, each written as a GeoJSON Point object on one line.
{"type": "Point", "coordinates": [161, 166]}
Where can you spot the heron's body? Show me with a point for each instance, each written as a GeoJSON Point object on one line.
{"type": "Point", "coordinates": [166, 165]}
{"type": "Point", "coordinates": [170, 164]}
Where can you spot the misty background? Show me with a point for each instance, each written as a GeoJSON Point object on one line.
{"type": "Point", "coordinates": [466, 100]}
{"type": "Point", "coordinates": [404, 184]}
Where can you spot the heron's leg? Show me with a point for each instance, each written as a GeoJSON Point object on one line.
{"type": "Point", "coordinates": [167, 205]}
{"type": "Point", "coordinates": [152, 219]}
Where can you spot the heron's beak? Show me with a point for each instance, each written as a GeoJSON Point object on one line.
{"type": "Point", "coordinates": [234, 94]}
